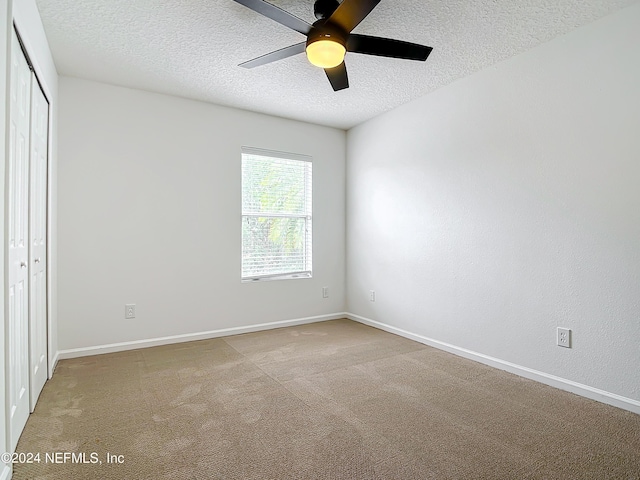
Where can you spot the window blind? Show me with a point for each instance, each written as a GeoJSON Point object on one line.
{"type": "Point", "coordinates": [276, 214]}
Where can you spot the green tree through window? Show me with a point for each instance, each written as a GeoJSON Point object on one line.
{"type": "Point", "coordinates": [276, 214]}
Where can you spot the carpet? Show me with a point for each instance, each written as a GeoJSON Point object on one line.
{"type": "Point", "coordinates": [330, 400]}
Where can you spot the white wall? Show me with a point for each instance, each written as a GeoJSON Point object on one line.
{"type": "Point", "coordinates": [149, 213]}
{"type": "Point", "coordinates": [491, 211]}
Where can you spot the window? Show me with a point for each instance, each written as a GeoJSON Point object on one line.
{"type": "Point", "coordinates": [276, 215]}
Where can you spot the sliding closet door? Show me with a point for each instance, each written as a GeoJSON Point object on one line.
{"type": "Point", "coordinates": [18, 242]}
{"type": "Point", "coordinates": [38, 241]}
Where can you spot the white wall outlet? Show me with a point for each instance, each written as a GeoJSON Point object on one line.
{"type": "Point", "coordinates": [325, 292]}
{"type": "Point", "coordinates": [372, 295]}
{"type": "Point", "coordinates": [564, 337]}
{"type": "Point", "coordinates": [130, 310]}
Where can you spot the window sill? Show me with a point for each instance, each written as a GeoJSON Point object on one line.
{"type": "Point", "coordinates": [291, 276]}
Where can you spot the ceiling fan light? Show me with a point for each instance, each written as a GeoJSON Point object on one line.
{"type": "Point", "coordinates": [326, 53]}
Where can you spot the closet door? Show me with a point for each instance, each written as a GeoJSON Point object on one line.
{"type": "Point", "coordinates": [38, 241]}
{"type": "Point", "coordinates": [18, 242]}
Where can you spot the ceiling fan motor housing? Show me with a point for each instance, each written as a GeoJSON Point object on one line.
{"type": "Point", "coordinates": [322, 30]}
{"type": "Point", "coordinates": [323, 9]}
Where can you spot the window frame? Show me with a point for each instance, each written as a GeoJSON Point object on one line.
{"type": "Point", "coordinates": [307, 217]}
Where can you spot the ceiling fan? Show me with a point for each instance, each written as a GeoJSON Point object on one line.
{"type": "Point", "coordinates": [330, 37]}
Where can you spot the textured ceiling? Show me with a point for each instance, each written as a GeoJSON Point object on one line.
{"type": "Point", "coordinates": [191, 48]}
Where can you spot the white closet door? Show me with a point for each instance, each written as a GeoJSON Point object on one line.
{"type": "Point", "coordinates": [38, 241]}
{"type": "Point", "coordinates": [18, 242]}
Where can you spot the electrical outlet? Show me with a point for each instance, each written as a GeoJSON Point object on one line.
{"type": "Point", "coordinates": [564, 337]}
{"type": "Point", "coordinates": [130, 310]}
{"type": "Point", "coordinates": [325, 292]}
{"type": "Point", "coordinates": [372, 295]}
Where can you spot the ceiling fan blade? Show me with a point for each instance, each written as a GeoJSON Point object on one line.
{"type": "Point", "coordinates": [281, 54]}
{"type": "Point", "coordinates": [338, 77]}
{"type": "Point", "coordinates": [351, 12]}
{"type": "Point", "coordinates": [387, 47]}
{"type": "Point", "coordinates": [277, 14]}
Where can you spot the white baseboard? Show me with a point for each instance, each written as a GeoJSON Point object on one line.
{"type": "Point", "coordinates": [548, 379]}
{"type": "Point", "coordinates": [551, 380]}
{"type": "Point", "coordinates": [188, 337]}
{"type": "Point", "coordinates": [6, 473]}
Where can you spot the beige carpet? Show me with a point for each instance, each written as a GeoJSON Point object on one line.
{"type": "Point", "coordinates": [331, 400]}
